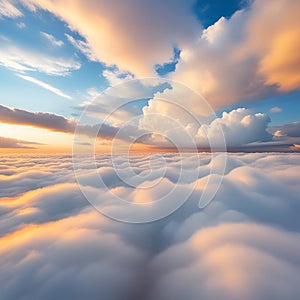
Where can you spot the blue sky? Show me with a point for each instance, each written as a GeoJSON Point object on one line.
{"type": "Point", "coordinates": [52, 62]}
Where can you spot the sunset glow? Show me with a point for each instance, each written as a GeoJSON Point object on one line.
{"type": "Point", "coordinates": [149, 150]}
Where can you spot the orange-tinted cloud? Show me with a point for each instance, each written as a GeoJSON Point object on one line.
{"type": "Point", "coordinates": [251, 55]}
{"type": "Point", "coordinates": [134, 35]}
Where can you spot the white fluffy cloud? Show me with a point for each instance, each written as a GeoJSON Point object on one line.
{"type": "Point", "coordinates": [250, 55]}
{"type": "Point", "coordinates": [239, 126]}
{"type": "Point", "coordinates": [244, 245]}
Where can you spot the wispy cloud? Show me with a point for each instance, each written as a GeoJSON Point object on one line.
{"type": "Point", "coordinates": [45, 86]}
{"type": "Point", "coordinates": [52, 39]}
{"type": "Point", "coordinates": [7, 9]}
{"type": "Point", "coordinates": [6, 142]}
{"type": "Point", "coordinates": [21, 60]}
{"type": "Point", "coordinates": [21, 25]}
{"type": "Point", "coordinates": [82, 46]}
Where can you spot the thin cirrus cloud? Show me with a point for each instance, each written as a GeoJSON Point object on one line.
{"type": "Point", "coordinates": [45, 86]}
{"type": "Point", "coordinates": [7, 9]}
{"type": "Point", "coordinates": [21, 60]}
{"type": "Point", "coordinates": [52, 39]}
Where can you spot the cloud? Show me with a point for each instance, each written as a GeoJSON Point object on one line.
{"type": "Point", "coordinates": [21, 25]}
{"type": "Point", "coordinates": [276, 109]}
{"type": "Point", "coordinates": [52, 39]}
{"type": "Point", "coordinates": [134, 36]}
{"type": "Point", "coordinates": [239, 126]}
{"type": "Point", "coordinates": [231, 261]}
{"type": "Point", "coordinates": [244, 245]}
{"type": "Point", "coordinates": [85, 261]}
{"type": "Point", "coordinates": [43, 120]}
{"type": "Point", "coordinates": [54, 122]}
{"type": "Point", "coordinates": [21, 60]}
{"type": "Point", "coordinates": [7, 9]}
{"type": "Point", "coordinates": [19, 176]}
{"type": "Point", "coordinates": [249, 56]}
{"type": "Point", "coordinates": [45, 86]}
{"type": "Point", "coordinates": [290, 130]}
{"type": "Point", "coordinates": [6, 142]}
{"type": "Point", "coordinates": [242, 129]}
{"type": "Point", "coordinates": [82, 46]}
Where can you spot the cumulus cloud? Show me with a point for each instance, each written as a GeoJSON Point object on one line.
{"type": "Point", "coordinates": [250, 55]}
{"type": "Point", "coordinates": [155, 126]}
{"type": "Point", "coordinates": [239, 126]}
{"type": "Point", "coordinates": [244, 245]}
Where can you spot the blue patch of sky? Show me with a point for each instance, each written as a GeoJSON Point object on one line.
{"type": "Point", "coordinates": [168, 67]}
{"type": "Point", "coordinates": [25, 94]}
{"type": "Point", "coordinates": [210, 11]}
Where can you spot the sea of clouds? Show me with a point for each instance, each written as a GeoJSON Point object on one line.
{"type": "Point", "coordinates": [244, 245]}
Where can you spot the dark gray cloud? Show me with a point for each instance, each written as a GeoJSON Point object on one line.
{"type": "Point", "coordinates": [53, 122]}
{"type": "Point", "coordinates": [291, 129]}
{"type": "Point", "coordinates": [6, 142]}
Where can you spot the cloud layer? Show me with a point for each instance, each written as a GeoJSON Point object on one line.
{"type": "Point", "coordinates": [244, 245]}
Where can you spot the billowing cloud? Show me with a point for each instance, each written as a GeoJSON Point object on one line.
{"type": "Point", "coordinates": [239, 127]}
{"type": "Point", "coordinates": [244, 245]}
{"type": "Point", "coordinates": [230, 261]}
{"type": "Point", "coordinates": [251, 55]}
{"type": "Point", "coordinates": [138, 37]}
{"type": "Point", "coordinates": [134, 36]}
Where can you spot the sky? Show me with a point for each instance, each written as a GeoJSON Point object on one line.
{"type": "Point", "coordinates": [73, 66]}
{"type": "Point", "coordinates": [104, 106]}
